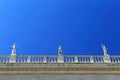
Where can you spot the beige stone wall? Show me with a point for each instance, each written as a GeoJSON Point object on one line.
{"type": "Point", "coordinates": [58, 71]}
{"type": "Point", "coordinates": [65, 69]}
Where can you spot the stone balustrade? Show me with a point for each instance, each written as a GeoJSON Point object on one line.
{"type": "Point", "coordinates": [54, 59]}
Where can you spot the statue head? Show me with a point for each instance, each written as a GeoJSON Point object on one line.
{"type": "Point", "coordinates": [14, 46]}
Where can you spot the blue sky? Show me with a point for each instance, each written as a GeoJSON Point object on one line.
{"type": "Point", "coordinates": [80, 26]}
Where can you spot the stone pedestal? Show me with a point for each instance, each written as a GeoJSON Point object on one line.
{"type": "Point", "coordinates": [76, 59]}
{"type": "Point", "coordinates": [12, 58]}
{"type": "Point", "coordinates": [28, 59]}
{"type": "Point", "coordinates": [45, 59]}
{"type": "Point", "coordinates": [91, 59]}
{"type": "Point", "coordinates": [60, 58]}
{"type": "Point", "coordinates": [107, 59]}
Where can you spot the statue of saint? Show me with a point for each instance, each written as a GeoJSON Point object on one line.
{"type": "Point", "coordinates": [104, 49]}
{"type": "Point", "coordinates": [14, 49]}
{"type": "Point", "coordinates": [59, 49]}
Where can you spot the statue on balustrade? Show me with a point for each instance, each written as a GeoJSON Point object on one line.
{"type": "Point", "coordinates": [105, 50]}
{"type": "Point", "coordinates": [14, 49]}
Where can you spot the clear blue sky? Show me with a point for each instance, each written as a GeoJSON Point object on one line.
{"type": "Point", "coordinates": [80, 26]}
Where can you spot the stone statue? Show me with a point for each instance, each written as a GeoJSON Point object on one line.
{"type": "Point", "coordinates": [104, 49]}
{"type": "Point", "coordinates": [59, 49]}
{"type": "Point", "coordinates": [14, 49]}
{"type": "Point", "coordinates": [60, 56]}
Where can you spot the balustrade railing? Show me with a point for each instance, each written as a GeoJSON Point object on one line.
{"type": "Point", "coordinates": [66, 59]}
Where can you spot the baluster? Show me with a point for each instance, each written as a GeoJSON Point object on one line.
{"type": "Point", "coordinates": [32, 60]}
{"type": "Point", "coordinates": [66, 59]}
{"type": "Point", "coordinates": [20, 59]}
{"type": "Point", "coordinates": [89, 59]}
{"type": "Point", "coordinates": [115, 59]}
{"type": "Point", "coordinates": [50, 58]}
{"type": "Point", "coordinates": [112, 60]}
{"type": "Point", "coordinates": [69, 59]}
{"type": "Point", "coordinates": [99, 59]}
{"type": "Point", "coordinates": [24, 58]}
{"type": "Point", "coordinates": [0, 59]}
{"type": "Point", "coordinates": [95, 59]}
{"type": "Point", "coordinates": [45, 59]}
{"type": "Point", "coordinates": [42, 58]}
{"type": "Point", "coordinates": [118, 59]}
{"type": "Point", "coordinates": [54, 59]}
{"type": "Point", "coordinates": [102, 60]}
{"type": "Point", "coordinates": [6, 60]}
{"type": "Point", "coordinates": [72, 60]}
{"type": "Point", "coordinates": [38, 59]}
{"type": "Point", "coordinates": [81, 59]}
{"type": "Point", "coordinates": [85, 59]}
{"type": "Point", "coordinates": [35, 60]}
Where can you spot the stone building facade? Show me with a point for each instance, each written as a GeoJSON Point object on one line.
{"type": "Point", "coordinates": [59, 67]}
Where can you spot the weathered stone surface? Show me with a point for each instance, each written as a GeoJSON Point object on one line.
{"type": "Point", "coordinates": [59, 78]}
{"type": "Point", "coordinates": [59, 71]}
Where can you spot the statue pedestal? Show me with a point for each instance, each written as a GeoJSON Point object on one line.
{"type": "Point", "coordinates": [60, 58]}
{"type": "Point", "coordinates": [76, 59]}
{"type": "Point", "coordinates": [45, 59]}
{"type": "Point", "coordinates": [28, 59]}
{"type": "Point", "coordinates": [106, 59]}
{"type": "Point", "coordinates": [12, 58]}
{"type": "Point", "coordinates": [91, 59]}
